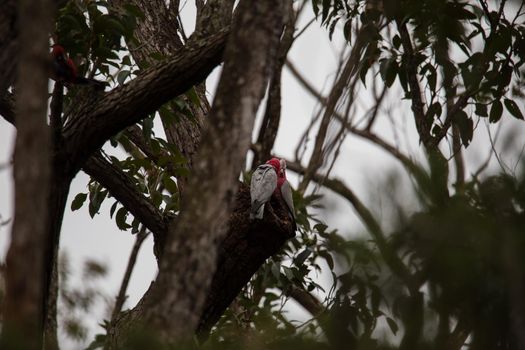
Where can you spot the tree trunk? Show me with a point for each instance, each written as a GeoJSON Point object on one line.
{"type": "Point", "coordinates": [32, 167]}
{"type": "Point", "coordinates": [189, 259]}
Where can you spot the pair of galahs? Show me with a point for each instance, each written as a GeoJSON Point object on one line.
{"type": "Point", "coordinates": [63, 69]}
{"type": "Point", "coordinates": [267, 180]}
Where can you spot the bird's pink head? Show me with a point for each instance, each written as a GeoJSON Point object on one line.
{"type": "Point", "coordinates": [282, 166]}
{"type": "Point", "coordinates": [276, 164]}
{"type": "Point", "coordinates": [57, 50]}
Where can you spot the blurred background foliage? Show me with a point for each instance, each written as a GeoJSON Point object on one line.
{"type": "Point", "coordinates": [445, 276]}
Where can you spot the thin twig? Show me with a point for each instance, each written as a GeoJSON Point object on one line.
{"type": "Point", "coordinates": [121, 297]}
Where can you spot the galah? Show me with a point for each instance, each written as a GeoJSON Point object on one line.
{"type": "Point", "coordinates": [65, 71]}
{"type": "Point", "coordinates": [267, 180]}
{"type": "Point", "coordinates": [263, 185]}
{"type": "Point", "coordinates": [285, 190]}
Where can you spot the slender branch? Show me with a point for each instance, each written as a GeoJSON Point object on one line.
{"type": "Point", "coordinates": [458, 158]}
{"type": "Point", "coordinates": [392, 260]}
{"type": "Point", "coordinates": [306, 84]}
{"type": "Point", "coordinates": [306, 300]}
{"type": "Point", "coordinates": [423, 125]}
{"type": "Point", "coordinates": [121, 297]}
{"type": "Point", "coordinates": [349, 69]}
{"type": "Point", "coordinates": [366, 134]}
{"type": "Point", "coordinates": [272, 115]}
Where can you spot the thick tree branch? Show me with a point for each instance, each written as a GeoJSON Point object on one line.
{"type": "Point", "coordinates": [124, 106]}
{"type": "Point", "coordinates": [121, 186]}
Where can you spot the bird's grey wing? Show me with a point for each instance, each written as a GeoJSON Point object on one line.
{"type": "Point", "coordinates": [264, 182]}
{"type": "Point", "coordinates": [286, 192]}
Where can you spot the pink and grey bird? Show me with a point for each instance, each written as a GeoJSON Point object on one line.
{"type": "Point", "coordinates": [263, 184]}
{"type": "Point", "coordinates": [267, 180]}
{"type": "Point", "coordinates": [285, 190]}
{"type": "Point", "coordinates": [65, 71]}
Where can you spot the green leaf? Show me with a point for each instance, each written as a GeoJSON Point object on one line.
{"type": "Point", "coordinates": [108, 24]}
{"type": "Point", "coordinates": [495, 111]}
{"type": "Point", "coordinates": [481, 110]}
{"type": "Point", "coordinates": [276, 271]}
{"type": "Point", "coordinates": [121, 217]}
{"type": "Point", "coordinates": [112, 210]}
{"type": "Point", "coordinates": [513, 108]}
{"type": "Point", "coordinates": [434, 110]}
{"type": "Point", "coordinates": [465, 126]}
{"type": "Point", "coordinates": [392, 324]}
{"type": "Point", "coordinates": [78, 201]}
{"type": "Point", "coordinates": [170, 185]}
{"type": "Point", "coordinates": [329, 260]}
{"type": "Point", "coordinates": [122, 76]}
{"type": "Point", "coordinates": [302, 256]}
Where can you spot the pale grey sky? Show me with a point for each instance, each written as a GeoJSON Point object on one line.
{"type": "Point", "coordinates": [361, 165]}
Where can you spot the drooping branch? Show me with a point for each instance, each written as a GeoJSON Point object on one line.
{"type": "Point", "coordinates": [124, 106]}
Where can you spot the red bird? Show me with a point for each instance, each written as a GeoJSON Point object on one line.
{"type": "Point", "coordinates": [65, 71]}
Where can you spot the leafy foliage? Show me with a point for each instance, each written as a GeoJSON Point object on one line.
{"type": "Point", "coordinates": [451, 267]}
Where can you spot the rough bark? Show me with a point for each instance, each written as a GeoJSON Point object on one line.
{"type": "Point", "coordinates": [8, 44]}
{"type": "Point", "coordinates": [189, 259]}
{"type": "Point", "coordinates": [272, 114]}
{"type": "Point", "coordinates": [158, 33]}
{"type": "Point", "coordinates": [242, 251]}
{"type": "Point", "coordinates": [96, 122]}
{"type": "Point", "coordinates": [25, 270]}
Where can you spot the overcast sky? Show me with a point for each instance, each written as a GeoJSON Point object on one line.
{"type": "Point", "coordinates": [362, 166]}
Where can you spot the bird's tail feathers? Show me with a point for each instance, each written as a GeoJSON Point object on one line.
{"type": "Point", "coordinates": [257, 211]}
